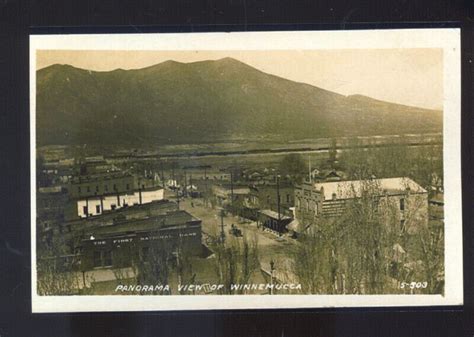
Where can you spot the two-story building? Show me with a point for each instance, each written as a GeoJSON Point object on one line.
{"type": "Point", "coordinates": [99, 193]}
{"type": "Point", "coordinates": [330, 199]}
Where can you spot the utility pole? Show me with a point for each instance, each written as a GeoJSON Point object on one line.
{"type": "Point", "coordinates": [222, 227]}
{"type": "Point", "coordinates": [272, 269]}
{"type": "Point", "coordinates": [162, 174]}
{"type": "Point", "coordinates": [185, 189]}
{"type": "Point", "coordinates": [309, 169]}
{"type": "Point", "coordinates": [232, 191]}
{"type": "Point", "coordinates": [178, 266]}
{"type": "Point", "coordinates": [278, 201]}
{"type": "Point", "coordinates": [177, 196]}
{"type": "Point", "coordinates": [205, 184]}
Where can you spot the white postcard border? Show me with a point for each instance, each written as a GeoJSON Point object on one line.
{"type": "Point", "coordinates": [447, 39]}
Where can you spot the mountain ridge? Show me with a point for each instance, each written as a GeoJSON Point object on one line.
{"type": "Point", "coordinates": [174, 102]}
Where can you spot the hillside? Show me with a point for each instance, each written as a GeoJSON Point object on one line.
{"type": "Point", "coordinates": [205, 101]}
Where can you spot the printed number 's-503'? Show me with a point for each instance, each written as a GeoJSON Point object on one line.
{"type": "Point", "coordinates": [413, 285]}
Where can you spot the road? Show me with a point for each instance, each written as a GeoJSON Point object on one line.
{"type": "Point", "coordinates": [271, 246]}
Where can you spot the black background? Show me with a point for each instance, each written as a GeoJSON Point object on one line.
{"type": "Point", "coordinates": [18, 19]}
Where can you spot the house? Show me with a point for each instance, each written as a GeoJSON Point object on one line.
{"type": "Point", "coordinates": [226, 195]}
{"type": "Point", "coordinates": [318, 175]}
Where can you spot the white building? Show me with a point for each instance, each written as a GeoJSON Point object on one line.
{"type": "Point", "coordinates": [329, 199]}
{"type": "Point", "coordinates": [96, 205]}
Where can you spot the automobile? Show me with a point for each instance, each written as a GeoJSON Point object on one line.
{"type": "Point", "coordinates": [235, 231]}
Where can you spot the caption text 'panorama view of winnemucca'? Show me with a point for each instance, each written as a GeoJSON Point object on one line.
{"type": "Point", "coordinates": [215, 177]}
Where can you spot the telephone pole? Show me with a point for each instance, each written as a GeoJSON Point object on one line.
{"type": "Point", "coordinates": [222, 227]}
{"type": "Point", "coordinates": [278, 201]}
{"type": "Point", "coordinates": [177, 196]}
{"type": "Point", "coordinates": [162, 174]}
{"type": "Point", "coordinates": [232, 192]}
{"type": "Point", "coordinates": [185, 189]}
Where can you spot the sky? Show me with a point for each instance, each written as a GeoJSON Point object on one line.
{"type": "Point", "coordinates": [406, 76]}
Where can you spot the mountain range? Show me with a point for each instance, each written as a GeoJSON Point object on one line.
{"type": "Point", "coordinates": [206, 101]}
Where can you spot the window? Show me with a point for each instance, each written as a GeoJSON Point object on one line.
{"type": "Point", "coordinates": [143, 186]}
{"type": "Point", "coordinates": [402, 204]}
{"type": "Point", "coordinates": [84, 210]}
{"type": "Point", "coordinates": [113, 206]}
{"type": "Point", "coordinates": [115, 187]}
{"type": "Point", "coordinates": [127, 187]}
{"type": "Point", "coordinates": [102, 258]}
{"type": "Point", "coordinates": [106, 188]}
{"type": "Point", "coordinates": [334, 196]}
{"type": "Point", "coordinates": [97, 259]}
{"type": "Point", "coordinates": [78, 189]}
{"type": "Point", "coordinates": [97, 209]}
{"type": "Point", "coordinates": [107, 258]}
{"type": "Point", "coordinates": [287, 198]}
{"type": "Point", "coordinates": [145, 251]}
{"type": "Point", "coordinates": [97, 188]}
{"type": "Point", "coordinates": [402, 224]}
{"type": "Point", "coordinates": [88, 189]}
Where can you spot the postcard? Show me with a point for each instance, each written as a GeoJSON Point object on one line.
{"type": "Point", "coordinates": [204, 171]}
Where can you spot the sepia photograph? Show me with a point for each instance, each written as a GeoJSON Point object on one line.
{"type": "Point", "coordinates": [286, 169]}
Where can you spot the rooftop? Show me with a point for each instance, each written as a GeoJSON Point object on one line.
{"type": "Point", "coordinates": [153, 223]}
{"type": "Point", "coordinates": [100, 177]}
{"type": "Point", "coordinates": [155, 206]}
{"type": "Point", "coordinates": [353, 188]}
{"type": "Point", "coordinates": [273, 214]}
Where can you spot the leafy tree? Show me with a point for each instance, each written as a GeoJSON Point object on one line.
{"type": "Point", "coordinates": [294, 165]}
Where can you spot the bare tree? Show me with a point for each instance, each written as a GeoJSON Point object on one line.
{"type": "Point", "coordinates": [235, 262]}
{"type": "Point", "coordinates": [56, 268]}
{"type": "Point", "coordinates": [311, 260]}
{"type": "Point", "coordinates": [154, 264]}
{"type": "Point", "coordinates": [432, 257]}
{"type": "Point", "coordinates": [351, 253]}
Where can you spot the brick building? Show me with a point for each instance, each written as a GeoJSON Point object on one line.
{"type": "Point", "coordinates": [119, 244]}
{"type": "Point", "coordinates": [329, 199]}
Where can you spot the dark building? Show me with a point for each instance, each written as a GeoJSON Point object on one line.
{"type": "Point", "coordinates": [265, 196]}
{"type": "Point", "coordinates": [274, 221]}
{"type": "Point", "coordinates": [101, 184]}
{"type": "Point", "coordinates": [119, 244]}
{"type": "Point", "coordinates": [51, 206]}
